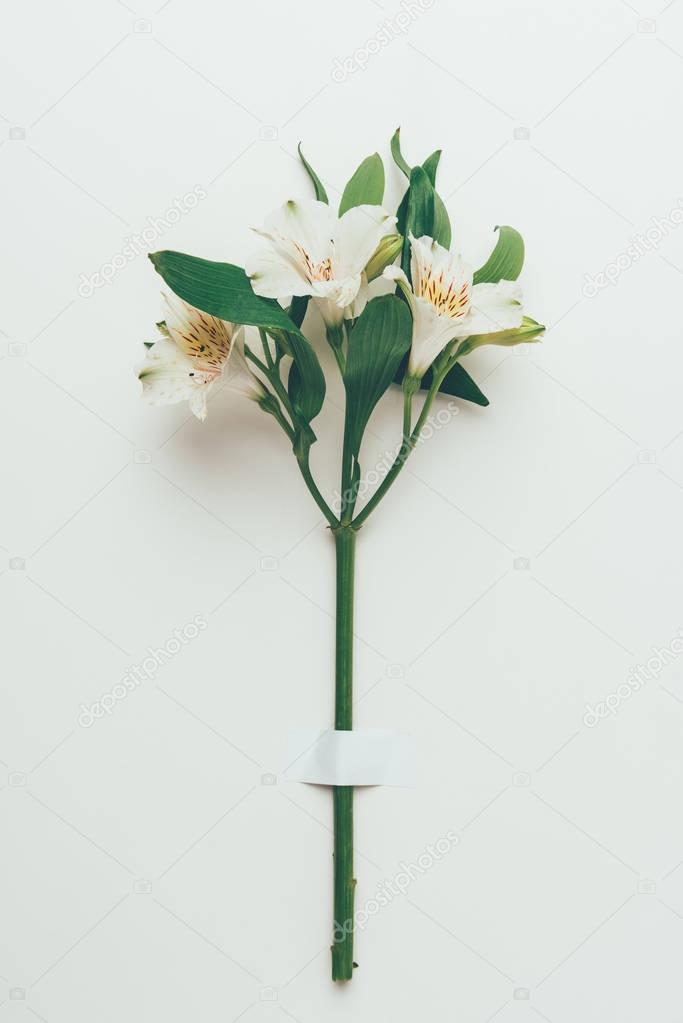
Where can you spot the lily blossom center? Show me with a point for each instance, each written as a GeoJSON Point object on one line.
{"type": "Point", "coordinates": [306, 249]}
{"type": "Point", "coordinates": [202, 337]}
{"type": "Point", "coordinates": [317, 272]}
{"type": "Point", "coordinates": [448, 296]}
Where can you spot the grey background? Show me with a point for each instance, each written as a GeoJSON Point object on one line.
{"type": "Point", "coordinates": [155, 865]}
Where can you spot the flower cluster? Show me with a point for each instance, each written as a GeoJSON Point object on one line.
{"type": "Point", "coordinates": [307, 251]}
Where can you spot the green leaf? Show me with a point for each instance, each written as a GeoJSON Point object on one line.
{"type": "Point", "coordinates": [309, 400]}
{"type": "Point", "coordinates": [397, 154]}
{"type": "Point", "coordinates": [402, 212]}
{"type": "Point", "coordinates": [366, 187]}
{"type": "Point", "coordinates": [320, 192]}
{"type": "Point", "coordinates": [441, 226]}
{"type": "Point", "coordinates": [378, 342]}
{"type": "Point", "coordinates": [295, 386]}
{"type": "Point", "coordinates": [457, 383]}
{"type": "Point", "coordinates": [297, 309]}
{"type": "Point", "coordinates": [431, 165]}
{"type": "Point", "coordinates": [460, 384]}
{"type": "Point", "coordinates": [221, 289]}
{"type": "Point", "coordinates": [506, 261]}
{"type": "Point", "coordinates": [442, 223]}
{"type": "Point", "coordinates": [224, 290]}
{"type": "Point", "coordinates": [419, 214]}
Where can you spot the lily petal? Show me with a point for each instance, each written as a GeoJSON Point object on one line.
{"type": "Point", "coordinates": [296, 244]}
{"type": "Point", "coordinates": [356, 307]}
{"type": "Point", "coordinates": [431, 331]}
{"type": "Point", "coordinates": [493, 307]}
{"type": "Point", "coordinates": [431, 334]}
{"type": "Point", "coordinates": [394, 273]}
{"type": "Point", "coordinates": [239, 376]}
{"type": "Point", "coordinates": [440, 276]}
{"type": "Point", "coordinates": [168, 376]}
{"type": "Point", "coordinates": [310, 223]}
{"type": "Point", "coordinates": [341, 291]}
{"type": "Point", "coordinates": [198, 403]}
{"type": "Point", "coordinates": [357, 235]}
{"type": "Point", "coordinates": [277, 271]}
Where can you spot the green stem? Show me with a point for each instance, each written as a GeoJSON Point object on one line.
{"type": "Point", "coordinates": [266, 347]}
{"type": "Point", "coordinates": [272, 374]}
{"type": "Point", "coordinates": [344, 881]}
{"type": "Point", "coordinates": [315, 493]}
{"type": "Point", "coordinates": [408, 393]}
{"type": "Point", "coordinates": [271, 405]}
{"type": "Point", "coordinates": [347, 494]}
{"type": "Point", "coordinates": [410, 385]}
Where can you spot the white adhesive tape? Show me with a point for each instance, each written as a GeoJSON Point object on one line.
{"type": "Point", "coordinates": [370, 756]}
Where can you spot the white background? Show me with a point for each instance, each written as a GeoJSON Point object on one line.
{"type": "Point", "coordinates": [529, 558]}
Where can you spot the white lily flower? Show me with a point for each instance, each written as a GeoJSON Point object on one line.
{"type": "Point", "coordinates": [195, 354]}
{"type": "Point", "coordinates": [446, 305]}
{"type": "Point", "coordinates": [311, 251]}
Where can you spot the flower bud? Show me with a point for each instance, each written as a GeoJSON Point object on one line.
{"type": "Point", "coordinates": [529, 331]}
{"type": "Point", "coordinates": [385, 253]}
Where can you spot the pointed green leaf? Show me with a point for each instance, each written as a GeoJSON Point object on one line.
{"type": "Point", "coordinates": [296, 389]}
{"type": "Point", "coordinates": [506, 261]}
{"type": "Point", "coordinates": [431, 165]}
{"type": "Point", "coordinates": [402, 212]}
{"type": "Point", "coordinates": [224, 290]}
{"type": "Point", "coordinates": [309, 399]}
{"type": "Point", "coordinates": [460, 384]}
{"type": "Point", "coordinates": [221, 289]}
{"type": "Point", "coordinates": [419, 214]}
{"type": "Point", "coordinates": [442, 223]}
{"type": "Point", "coordinates": [320, 192]}
{"type": "Point", "coordinates": [378, 342]}
{"type": "Point", "coordinates": [397, 154]}
{"type": "Point", "coordinates": [366, 187]}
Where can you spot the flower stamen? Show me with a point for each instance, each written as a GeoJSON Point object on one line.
{"type": "Point", "coordinates": [322, 271]}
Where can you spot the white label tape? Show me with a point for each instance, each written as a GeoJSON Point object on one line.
{"type": "Point", "coordinates": [370, 756]}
